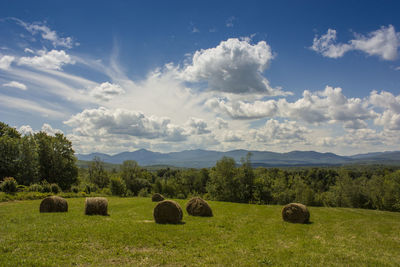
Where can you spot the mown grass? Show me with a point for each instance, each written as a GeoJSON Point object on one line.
{"type": "Point", "coordinates": [237, 235]}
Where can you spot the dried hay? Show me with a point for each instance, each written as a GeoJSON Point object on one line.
{"type": "Point", "coordinates": [168, 211]}
{"type": "Point", "coordinates": [96, 206]}
{"type": "Point", "coordinates": [199, 207]}
{"type": "Point", "coordinates": [157, 197]}
{"type": "Point", "coordinates": [53, 204]}
{"type": "Point", "coordinates": [295, 213]}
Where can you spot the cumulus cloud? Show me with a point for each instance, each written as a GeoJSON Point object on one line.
{"type": "Point", "coordinates": [46, 33]}
{"type": "Point", "coordinates": [16, 85]}
{"type": "Point", "coordinates": [390, 118]}
{"type": "Point", "coordinates": [234, 66]}
{"type": "Point", "coordinates": [103, 121]}
{"type": "Point", "coordinates": [383, 43]}
{"type": "Point", "coordinates": [47, 128]}
{"type": "Point", "coordinates": [197, 126]}
{"type": "Point", "coordinates": [26, 130]}
{"type": "Point", "coordinates": [50, 130]}
{"type": "Point", "coordinates": [106, 91]}
{"type": "Point", "coordinates": [53, 59]}
{"type": "Point", "coordinates": [326, 46]}
{"type": "Point", "coordinates": [244, 110]}
{"type": "Point", "coordinates": [275, 132]}
{"type": "Point", "coordinates": [329, 105]}
{"type": "Point", "coordinates": [231, 136]}
{"type": "Point", "coordinates": [5, 62]}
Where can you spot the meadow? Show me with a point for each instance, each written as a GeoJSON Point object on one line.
{"type": "Point", "coordinates": [237, 235]}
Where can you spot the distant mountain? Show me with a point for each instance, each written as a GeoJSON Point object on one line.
{"type": "Point", "coordinates": [207, 158]}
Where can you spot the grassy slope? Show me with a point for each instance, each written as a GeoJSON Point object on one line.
{"type": "Point", "coordinates": [238, 235]}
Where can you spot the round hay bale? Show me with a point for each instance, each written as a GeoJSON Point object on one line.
{"type": "Point", "coordinates": [157, 197]}
{"type": "Point", "coordinates": [295, 213]}
{"type": "Point", "coordinates": [168, 211]}
{"type": "Point", "coordinates": [198, 207]}
{"type": "Point", "coordinates": [96, 206]}
{"type": "Point", "coordinates": [53, 204]}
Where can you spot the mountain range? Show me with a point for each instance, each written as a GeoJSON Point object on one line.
{"type": "Point", "coordinates": [207, 158]}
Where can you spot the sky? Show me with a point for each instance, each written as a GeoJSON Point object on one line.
{"type": "Point", "coordinates": [166, 76]}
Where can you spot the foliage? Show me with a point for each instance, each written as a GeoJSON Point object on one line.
{"type": "Point", "coordinates": [9, 185]}
{"type": "Point", "coordinates": [55, 188]}
{"type": "Point", "coordinates": [117, 186]}
{"type": "Point", "coordinates": [97, 174]}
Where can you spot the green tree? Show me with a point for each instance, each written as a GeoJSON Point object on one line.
{"type": "Point", "coordinates": [222, 180]}
{"type": "Point", "coordinates": [97, 174]}
{"type": "Point", "coordinates": [28, 171]}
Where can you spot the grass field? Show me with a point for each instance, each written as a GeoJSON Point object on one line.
{"type": "Point", "coordinates": [237, 235]}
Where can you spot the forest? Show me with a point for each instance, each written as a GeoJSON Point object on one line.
{"type": "Point", "coordinates": [45, 163]}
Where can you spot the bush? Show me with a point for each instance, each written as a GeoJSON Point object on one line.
{"type": "Point", "coordinates": [143, 192]}
{"type": "Point", "coordinates": [89, 188]}
{"type": "Point", "coordinates": [74, 189]}
{"type": "Point", "coordinates": [35, 188]}
{"type": "Point", "coordinates": [46, 188]}
{"type": "Point", "coordinates": [55, 188]}
{"type": "Point", "coordinates": [9, 185]}
{"type": "Point", "coordinates": [117, 186]}
{"type": "Point", "coordinates": [22, 188]}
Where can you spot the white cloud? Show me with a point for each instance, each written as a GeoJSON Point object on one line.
{"type": "Point", "coordinates": [383, 43]}
{"type": "Point", "coordinates": [5, 62]}
{"type": "Point", "coordinates": [243, 110]}
{"type": "Point", "coordinates": [197, 126]}
{"type": "Point", "coordinates": [275, 132]}
{"type": "Point", "coordinates": [25, 105]}
{"type": "Point", "coordinates": [234, 66]}
{"type": "Point", "coordinates": [231, 136]}
{"type": "Point", "coordinates": [26, 130]}
{"type": "Point", "coordinates": [103, 122]}
{"type": "Point", "coordinates": [53, 59]}
{"type": "Point", "coordinates": [50, 130]}
{"type": "Point", "coordinates": [106, 91]}
{"type": "Point", "coordinates": [390, 118]}
{"type": "Point", "coordinates": [329, 105]}
{"type": "Point", "coordinates": [221, 123]}
{"type": "Point", "coordinates": [46, 33]}
{"type": "Point", "coordinates": [28, 50]}
{"type": "Point", "coordinates": [16, 85]}
{"type": "Point", "coordinates": [326, 46]}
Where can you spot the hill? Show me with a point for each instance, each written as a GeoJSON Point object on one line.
{"type": "Point", "coordinates": [207, 158]}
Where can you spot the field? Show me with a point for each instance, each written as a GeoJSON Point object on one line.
{"type": "Point", "coordinates": [237, 235]}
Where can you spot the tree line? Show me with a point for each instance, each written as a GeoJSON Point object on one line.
{"type": "Point", "coordinates": [40, 159]}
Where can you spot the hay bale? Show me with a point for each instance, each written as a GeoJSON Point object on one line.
{"type": "Point", "coordinates": [53, 204]}
{"type": "Point", "coordinates": [168, 211]}
{"type": "Point", "coordinates": [295, 213]}
{"type": "Point", "coordinates": [157, 197]}
{"type": "Point", "coordinates": [198, 207]}
{"type": "Point", "coordinates": [96, 206]}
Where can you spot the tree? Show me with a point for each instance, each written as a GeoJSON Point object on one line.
{"type": "Point", "coordinates": [28, 161]}
{"type": "Point", "coordinates": [221, 183]}
{"type": "Point", "coordinates": [56, 159]}
{"type": "Point", "coordinates": [97, 174]}
{"type": "Point", "coordinates": [9, 150]}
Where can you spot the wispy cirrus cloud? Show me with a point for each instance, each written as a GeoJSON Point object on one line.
{"type": "Point", "coordinates": [16, 84]}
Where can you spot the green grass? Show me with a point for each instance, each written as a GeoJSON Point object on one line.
{"type": "Point", "coordinates": [237, 235]}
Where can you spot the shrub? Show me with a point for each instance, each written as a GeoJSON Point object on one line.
{"type": "Point", "coordinates": [117, 186]}
{"type": "Point", "coordinates": [46, 188]}
{"type": "Point", "coordinates": [106, 191]}
{"type": "Point", "coordinates": [35, 188]}
{"type": "Point", "coordinates": [22, 188]}
{"type": "Point", "coordinates": [74, 189]}
{"type": "Point", "coordinates": [9, 185]}
{"type": "Point", "coordinates": [143, 192]}
{"type": "Point", "coordinates": [55, 188]}
{"type": "Point", "coordinates": [89, 188]}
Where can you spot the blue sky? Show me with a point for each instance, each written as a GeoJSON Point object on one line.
{"type": "Point", "coordinates": [174, 75]}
